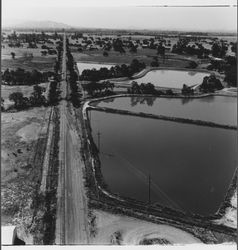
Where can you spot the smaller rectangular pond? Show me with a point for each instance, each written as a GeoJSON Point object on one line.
{"type": "Point", "coordinates": [172, 78]}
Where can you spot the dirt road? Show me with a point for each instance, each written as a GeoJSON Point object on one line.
{"type": "Point", "coordinates": [71, 223]}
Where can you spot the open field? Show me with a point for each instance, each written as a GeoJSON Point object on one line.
{"type": "Point", "coordinates": [27, 59]}
{"type": "Point", "coordinates": [145, 55]}
{"type": "Point", "coordinates": [29, 64]}
{"type": "Point", "coordinates": [6, 90]}
{"type": "Point", "coordinates": [22, 52]}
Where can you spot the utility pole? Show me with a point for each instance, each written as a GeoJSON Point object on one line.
{"type": "Point", "coordinates": [99, 134]}
{"type": "Point", "coordinates": [149, 188]}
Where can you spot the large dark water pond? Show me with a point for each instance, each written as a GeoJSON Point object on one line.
{"type": "Point", "coordinates": [218, 109]}
{"type": "Point", "coordinates": [190, 166]}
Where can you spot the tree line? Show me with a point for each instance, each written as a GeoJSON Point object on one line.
{"type": "Point", "coordinates": [32, 37]}
{"type": "Point", "coordinates": [114, 72]}
{"type": "Point", "coordinates": [73, 78]}
{"type": "Point", "coordinates": [99, 89]}
{"type": "Point", "coordinates": [23, 77]}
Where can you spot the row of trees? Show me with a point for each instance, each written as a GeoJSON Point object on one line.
{"type": "Point", "coordinates": [209, 84]}
{"type": "Point", "coordinates": [73, 78]}
{"type": "Point", "coordinates": [59, 50]}
{"type": "Point", "coordinates": [147, 89]}
{"type": "Point", "coordinates": [143, 88]}
{"type": "Point", "coordinates": [96, 89]}
{"type": "Point", "coordinates": [114, 72]}
{"type": "Point", "coordinates": [54, 93]}
{"type": "Point", "coordinates": [32, 37]}
{"type": "Point", "coordinates": [22, 77]}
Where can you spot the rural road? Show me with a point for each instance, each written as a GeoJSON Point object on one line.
{"type": "Point", "coordinates": [71, 220]}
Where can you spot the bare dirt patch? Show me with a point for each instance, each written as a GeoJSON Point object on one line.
{"type": "Point", "coordinates": [230, 216]}
{"type": "Point", "coordinates": [124, 230]}
{"type": "Point", "coordinates": [29, 132]}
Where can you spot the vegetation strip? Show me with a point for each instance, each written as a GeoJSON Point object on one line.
{"type": "Point", "coordinates": [43, 223]}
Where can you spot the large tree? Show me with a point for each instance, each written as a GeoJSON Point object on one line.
{"type": "Point", "coordinates": [2, 104]}
{"type": "Point", "coordinates": [18, 99]}
{"type": "Point", "coordinates": [37, 98]}
{"type": "Point", "coordinates": [13, 55]}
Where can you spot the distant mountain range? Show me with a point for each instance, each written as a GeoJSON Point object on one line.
{"type": "Point", "coordinates": [51, 25]}
{"type": "Point", "coordinates": [36, 25]}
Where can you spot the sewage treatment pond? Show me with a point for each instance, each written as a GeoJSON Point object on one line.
{"type": "Point", "coordinates": [190, 166]}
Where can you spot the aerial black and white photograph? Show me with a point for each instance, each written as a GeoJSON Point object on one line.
{"type": "Point", "coordinates": [119, 123]}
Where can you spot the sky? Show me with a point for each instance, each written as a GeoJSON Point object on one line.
{"type": "Point", "coordinates": [134, 14]}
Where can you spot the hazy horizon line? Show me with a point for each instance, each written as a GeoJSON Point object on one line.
{"type": "Point", "coordinates": [15, 26]}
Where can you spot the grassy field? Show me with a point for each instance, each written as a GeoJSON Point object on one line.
{"type": "Point", "coordinates": [25, 90]}
{"type": "Point", "coordinates": [24, 60]}
{"type": "Point", "coordinates": [23, 52]}
{"type": "Point", "coordinates": [38, 63]}
{"type": "Point", "coordinates": [145, 55]}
